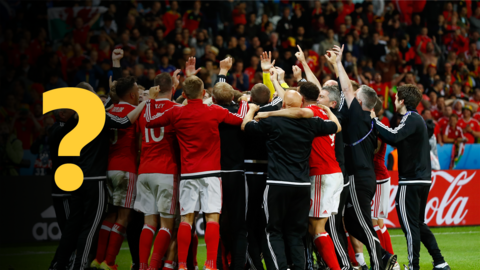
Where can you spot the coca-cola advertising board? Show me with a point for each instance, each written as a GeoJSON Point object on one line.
{"type": "Point", "coordinates": [454, 199]}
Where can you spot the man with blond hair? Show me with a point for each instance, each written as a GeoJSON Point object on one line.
{"type": "Point", "coordinates": [196, 126]}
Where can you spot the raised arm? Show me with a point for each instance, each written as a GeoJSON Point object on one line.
{"type": "Point", "coordinates": [113, 121]}
{"type": "Point", "coordinates": [308, 72]}
{"type": "Point", "coordinates": [281, 77]}
{"type": "Point", "coordinates": [266, 66]}
{"type": "Point", "coordinates": [225, 66]}
{"type": "Point", "coordinates": [94, 19]}
{"type": "Point", "coordinates": [276, 84]}
{"type": "Point", "coordinates": [332, 60]}
{"type": "Point", "coordinates": [347, 87]}
{"type": "Point", "coordinates": [190, 67]}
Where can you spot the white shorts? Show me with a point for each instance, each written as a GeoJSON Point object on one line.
{"type": "Point", "coordinates": [122, 188]}
{"type": "Point", "coordinates": [207, 191]}
{"type": "Point", "coordinates": [157, 193]}
{"type": "Point", "coordinates": [379, 205]}
{"type": "Point", "coordinates": [325, 194]}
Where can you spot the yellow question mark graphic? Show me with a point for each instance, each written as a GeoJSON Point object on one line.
{"type": "Point", "coordinates": [91, 119]}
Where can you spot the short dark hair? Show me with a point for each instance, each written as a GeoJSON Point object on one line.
{"type": "Point", "coordinates": [260, 94]}
{"type": "Point", "coordinates": [410, 95]}
{"type": "Point", "coordinates": [164, 80]}
{"type": "Point", "coordinates": [124, 85]}
{"type": "Point", "coordinates": [309, 91]}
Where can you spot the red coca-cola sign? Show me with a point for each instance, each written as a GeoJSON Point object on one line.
{"type": "Point", "coordinates": [454, 199]}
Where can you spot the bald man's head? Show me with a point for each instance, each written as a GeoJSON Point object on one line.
{"type": "Point", "coordinates": [330, 83]}
{"type": "Point", "coordinates": [292, 99]}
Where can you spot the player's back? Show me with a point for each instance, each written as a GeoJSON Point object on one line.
{"type": "Point", "coordinates": [322, 158]}
{"type": "Point", "coordinates": [196, 125]}
{"type": "Point", "coordinates": [123, 147]}
{"type": "Point", "coordinates": [381, 172]}
{"type": "Point", "coordinates": [160, 152]}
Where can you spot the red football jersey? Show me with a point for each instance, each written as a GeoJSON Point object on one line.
{"type": "Point", "coordinates": [160, 152]}
{"type": "Point", "coordinates": [123, 148]}
{"type": "Point", "coordinates": [196, 126]}
{"type": "Point", "coordinates": [381, 171]}
{"type": "Point", "coordinates": [322, 159]}
{"type": "Point", "coordinates": [454, 133]}
{"type": "Point", "coordinates": [473, 124]}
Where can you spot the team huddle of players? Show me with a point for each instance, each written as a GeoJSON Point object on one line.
{"type": "Point", "coordinates": [266, 169]}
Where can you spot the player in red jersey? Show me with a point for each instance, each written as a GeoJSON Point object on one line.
{"type": "Point", "coordinates": [157, 188]}
{"type": "Point", "coordinates": [121, 177]}
{"type": "Point", "coordinates": [470, 126]}
{"type": "Point", "coordinates": [326, 177]}
{"type": "Point", "coordinates": [380, 201]}
{"type": "Point", "coordinates": [196, 126]}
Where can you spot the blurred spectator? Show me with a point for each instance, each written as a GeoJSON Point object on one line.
{"type": "Point", "coordinates": [434, 45]}
{"type": "Point", "coordinates": [11, 151]}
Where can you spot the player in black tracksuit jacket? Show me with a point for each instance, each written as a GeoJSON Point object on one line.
{"type": "Point", "coordinates": [287, 194]}
{"type": "Point", "coordinates": [334, 226]}
{"type": "Point", "coordinates": [233, 224]}
{"type": "Point", "coordinates": [414, 172]}
{"type": "Point", "coordinates": [88, 202]}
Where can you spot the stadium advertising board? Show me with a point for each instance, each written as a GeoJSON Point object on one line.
{"type": "Point", "coordinates": [453, 199]}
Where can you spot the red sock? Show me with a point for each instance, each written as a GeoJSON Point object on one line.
{"type": "Point", "coordinates": [194, 248]}
{"type": "Point", "coordinates": [212, 237]}
{"type": "Point", "coordinates": [160, 247]}
{"type": "Point", "coordinates": [184, 237]}
{"type": "Point", "coordinates": [114, 243]}
{"type": "Point", "coordinates": [351, 252]}
{"type": "Point", "coordinates": [387, 240]}
{"type": "Point", "coordinates": [103, 240]}
{"type": "Point", "coordinates": [169, 265]}
{"type": "Point", "coordinates": [325, 247]}
{"type": "Point", "coordinates": [146, 239]}
{"type": "Point", "coordinates": [380, 236]}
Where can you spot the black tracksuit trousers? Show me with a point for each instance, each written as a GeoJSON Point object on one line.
{"type": "Point", "coordinates": [286, 211]}
{"type": "Point", "coordinates": [61, 204]}
{"type": "Point", "coordinates": [87, 208]}
{"type": "Point", "coordinates": [410, 202]}
{"type": "Point", "coordinates": [233, 223]}
{"type": "Point", "coordinates": [134, 230]}
{"type": "Point", "coordinates": [256, 219]}
{"type": "Point", "coordinates": [358, 218]}
{"type": "Point", "coordinates": [335, 229]}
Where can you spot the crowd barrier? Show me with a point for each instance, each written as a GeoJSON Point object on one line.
{"type": "Point", "coordinates": [28, 213]}
{"type": "Point", "coordinates": [469, 160]}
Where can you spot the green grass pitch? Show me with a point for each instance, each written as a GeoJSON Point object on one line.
{"type": "Point", "coordinates": [459, 245]}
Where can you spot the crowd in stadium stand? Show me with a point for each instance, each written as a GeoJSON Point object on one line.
{"type": "Point", "coordinates": [435, 47]}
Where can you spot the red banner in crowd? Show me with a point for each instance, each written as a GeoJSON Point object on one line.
{"type": "Point", "coordinates": [453, 199]}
